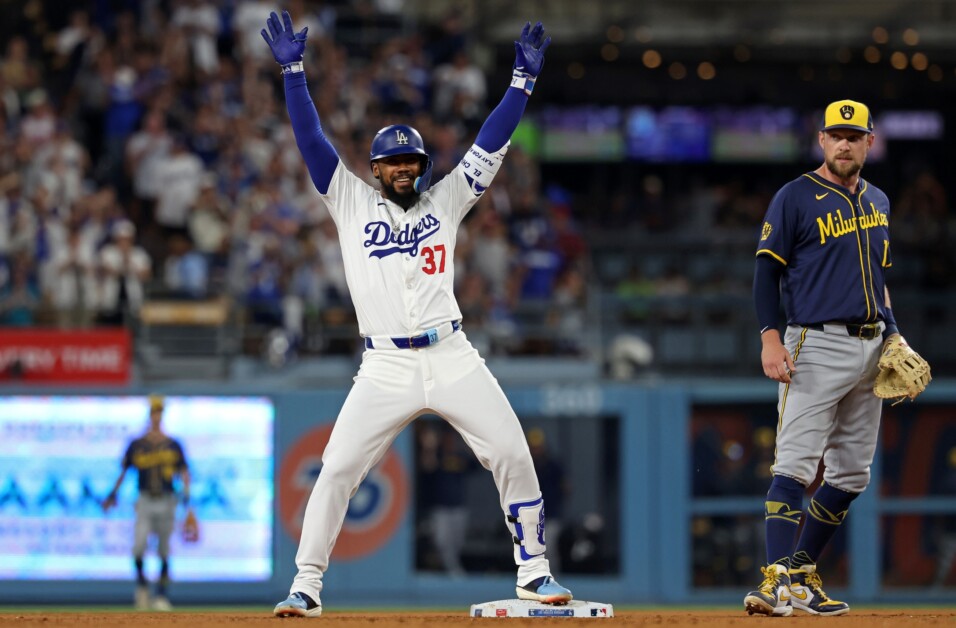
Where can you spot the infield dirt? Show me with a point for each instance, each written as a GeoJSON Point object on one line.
{"type": "Point", "coordinates": [888, 618]}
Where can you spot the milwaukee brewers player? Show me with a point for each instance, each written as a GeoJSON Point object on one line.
{"type": "Point", "coordinates": [825, 247]}
{"type": "Point", "coordinates": [398, 245]}
{"type": "Point", "coordinates": [158, 459]}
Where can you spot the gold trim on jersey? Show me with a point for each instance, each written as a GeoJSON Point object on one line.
{"type": "Point", "coordinates": [851, 226]}
{"type": "Point", "coordinates": [773, 255]}
{"type": "Point", "coordinates": [869, 258]}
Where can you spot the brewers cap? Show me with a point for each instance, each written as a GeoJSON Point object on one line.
{"type": "Point", "coordinates": [848, 114]}
{"type": "Point", "coordinates": [156, 402]}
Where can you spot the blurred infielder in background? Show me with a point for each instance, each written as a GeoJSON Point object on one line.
{"type": "Point", "coordinates": [158, 460]}
{"type": "Point", "coordinates": [398, 245]}
{"type": "Point", "coordinates": [825, 246]}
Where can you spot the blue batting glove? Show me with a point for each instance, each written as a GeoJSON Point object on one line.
{"type": "Point", "coordinates": [287, 46]}
{"type": "Point", "coordinates": [529, 50]}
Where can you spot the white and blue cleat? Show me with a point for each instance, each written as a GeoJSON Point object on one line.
{"type": "Point", "coordinates": [298, 605]}
{"type": "Point", "coordinates": [545, 590]}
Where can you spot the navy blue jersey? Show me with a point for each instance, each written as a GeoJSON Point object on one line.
{"type": "Point", "coordinates": [157, 463]}
{"type": "Point", "coordinates": [835, 247]}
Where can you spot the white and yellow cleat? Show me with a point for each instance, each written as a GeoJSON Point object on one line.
{"type": "Point", "coordinates": [807, 594]}
{"type": "Point", "coordinates": [772, 597]}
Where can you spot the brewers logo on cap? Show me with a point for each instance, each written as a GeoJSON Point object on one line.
{"type": "Point", "coordinates": [848, 114]}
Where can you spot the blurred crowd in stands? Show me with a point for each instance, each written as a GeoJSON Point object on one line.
{"type": "Point", "coordinates": [145, 153]}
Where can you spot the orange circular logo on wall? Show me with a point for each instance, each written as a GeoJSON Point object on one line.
{"type": "Point", "coordinates": [374, 512]}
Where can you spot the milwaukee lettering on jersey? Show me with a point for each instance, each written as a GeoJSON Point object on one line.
{"type": "Point", "coordinates": [836, 226]}
{"type": "Point", "coordinates": [810, 237]}
{"type": "Point", "coordinates": [406, 241]}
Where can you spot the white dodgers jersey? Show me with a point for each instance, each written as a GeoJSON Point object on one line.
{"type": "Point", "coordinates": [400, 265]}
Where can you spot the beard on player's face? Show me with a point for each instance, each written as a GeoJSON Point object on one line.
{"type": "Point", "coordinates": [405, 198]}
{"type": "Point", "coordinates": [845, 169]}
{"type": "Point", "coordinates": [845, 152]}
{"type": "Point", "coordinates": [398, 175]}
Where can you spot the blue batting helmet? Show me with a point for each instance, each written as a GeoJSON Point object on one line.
{"type": "Point", "coordinates": [401, 139]}
{"type": "Point", "coordinates": [397, 139]}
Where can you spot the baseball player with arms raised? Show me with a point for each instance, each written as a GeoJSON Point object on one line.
{"type": "Point", "coordinates": [398, 245]}
{"type": "Point", "coordinates": [825, 246]}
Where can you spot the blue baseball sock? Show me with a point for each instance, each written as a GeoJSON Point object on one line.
{"type": "Point", "coordinates": [782, 513]}
{"type": "Point", "coordinates": [828, 508]}
{"type": "Point", "coordinates": [163, 578]}
{"type": "Point", "coordinates": [140, 575]}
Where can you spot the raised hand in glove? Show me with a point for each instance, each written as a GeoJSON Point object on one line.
{"type": "Point", "coordinates": [190, 529]}
{"type": "Point", "coordinates": [287, 46]}
{"type": "Point", "coordinates": [529, 50]}
{"type": "Point", "coordinates": [903, 372]}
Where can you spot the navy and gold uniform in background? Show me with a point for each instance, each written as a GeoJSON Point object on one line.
{"type": "Point", "coordinates": [157, 463]}
{"type": "Point", "coordinates": [161, 465]}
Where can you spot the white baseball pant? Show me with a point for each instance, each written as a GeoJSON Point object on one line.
{"type": "Point", "coordinates": [392, 388]}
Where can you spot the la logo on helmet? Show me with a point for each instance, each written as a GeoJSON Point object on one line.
{"type": "Point", "coordinates": [400, 137]}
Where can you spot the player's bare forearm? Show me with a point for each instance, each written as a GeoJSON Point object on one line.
{"type": "Point", "coordinates": [119, 482]}
{"type": "Point", "coordinates": [185, 479]}
{"type": "Point", "coordinates": [110, 500]}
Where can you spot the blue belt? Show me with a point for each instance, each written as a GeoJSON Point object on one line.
{"type": "Point", "coordinates": [428, 337]}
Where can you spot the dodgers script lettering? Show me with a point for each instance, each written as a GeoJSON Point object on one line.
{"type": "Point", "coordinates": [407, 240]}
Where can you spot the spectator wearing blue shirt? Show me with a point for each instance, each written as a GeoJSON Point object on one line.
{"type": "Point", "coordinates": [186, 271]}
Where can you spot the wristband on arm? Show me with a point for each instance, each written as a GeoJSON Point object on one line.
{"type": "Point", "coordinates": [523, 81]}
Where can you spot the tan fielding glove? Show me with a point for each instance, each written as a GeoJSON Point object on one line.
{"type": "Point", "coordinates": [190, 529]}
{"type": "Point", "coordinates": [903, 372]}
